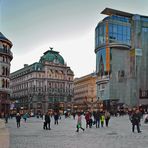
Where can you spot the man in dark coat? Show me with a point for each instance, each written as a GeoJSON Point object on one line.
{"type": "Point", "coordinates": [18, 119]}
{"type": "Point", "coordinates": [98, 116]}
{"type": "Point", "coordinates": [56, 118]}
{"type": "Point", "coordinates": [47, 121]}
{"type": "Point", "coordinates": [135, 119]}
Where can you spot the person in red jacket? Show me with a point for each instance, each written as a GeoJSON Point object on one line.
{"type": "Point", "coordinates": [87, 118]}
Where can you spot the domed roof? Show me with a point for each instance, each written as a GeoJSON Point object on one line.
{"type": "Point", "coordinates": [52, 56]}
{"type": "Point", "coordinates": [3, 38]}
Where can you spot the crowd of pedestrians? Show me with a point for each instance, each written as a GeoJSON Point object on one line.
{"type": "Point", "coordinates": [47, 119]}
{"type": "Point", "coordinates": [100, 118]}
{"type": "Point", "coordinates": [97, 119]}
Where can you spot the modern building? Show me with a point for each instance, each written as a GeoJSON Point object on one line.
{"type": "Point", "coordinates": [43, 85]}
{"type": "Point", "coordinates": [121, 47]}
{"type": "Point", "coordinates": [84, 92]}
{"type": "Point", "coordinates": [5, 59]}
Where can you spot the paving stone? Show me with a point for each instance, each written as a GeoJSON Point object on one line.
{"type": "Point", "coordinates": [64, 135]}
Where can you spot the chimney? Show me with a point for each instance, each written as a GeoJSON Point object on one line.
{"type": "Point", "coordinates": [25, 65]}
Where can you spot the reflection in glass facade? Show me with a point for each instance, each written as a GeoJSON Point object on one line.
{"type": "Point", "coordinates": [101, 60]}
{"type": "Point", "coordinates": [144, 19]}
{"type": "Point", "coordinates": [100, 35]}
{"type": "Point", "coordinates": [119, 31]}
{"type": "Point", "coordinates": [145, 29]}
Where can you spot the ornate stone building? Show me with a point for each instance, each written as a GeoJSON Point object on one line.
{"type": "Point", "coordinates": [84, 92]}
{"type": "Point", "coordinates": [44, 85]}
{"type": "Point", "coordinates": [5, 59]}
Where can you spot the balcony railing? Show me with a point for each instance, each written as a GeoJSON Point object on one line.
{"type": "Point", "coordinates": [6, 51]}
{"type": "Point", "coordinates": [8, 90]}
{"type": "Point", "coordinates": [40, 91]}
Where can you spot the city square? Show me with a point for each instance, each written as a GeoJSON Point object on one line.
{"type": "Point", "coordinates": [64, 135]}
{"type": "Point", "coordinates": [81, 63]}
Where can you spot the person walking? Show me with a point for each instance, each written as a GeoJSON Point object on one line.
{"type": "Point", "coordinates": [102, 118]}
{"type": "Point", "coordinates": [94, 116]}
{"type": "Point", "coordinates": [47, 121]}
{"type": "Point", "coordinates": [90, 121]}
{"type": "Point", "coordinates": [56, 118]}
{"type": "Point", "coordinates": [87, 118]}
{"type": "Point", "coordinates": [18, 119]}
{"type": "Point", "coordinates": [25, 116]}
{"type": "Point", "coordinates": [98, 115]}
{"type": "Point", "coordinates": [135, 120]}
{"type": "Point", "coordinates": [79, 123]}
{"type": "Point", "coordinates": [6, 118]}
{"type": "Point", "coordinates": [74, 115]}
{"type": "Point", "coordinates": [107, 118]}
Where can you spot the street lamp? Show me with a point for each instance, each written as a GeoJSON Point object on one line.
{"type": "Point", "coordinates": [17, 105]}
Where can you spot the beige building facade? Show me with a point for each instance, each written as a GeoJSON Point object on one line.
{"type": "Point", "coordinates": [44, 85]}
{"type": "Point", "coordinates": [84, 92]}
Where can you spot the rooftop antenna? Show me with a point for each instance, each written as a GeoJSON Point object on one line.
{"type": "Point", "coordinates": [51, 48]}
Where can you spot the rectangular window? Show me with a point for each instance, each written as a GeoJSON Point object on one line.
{"type": "Point", "coordinates": [110, 28]}
{"type": "Point", "coordinates": [114, 28]}
{"type": "Point", "coordinates": [124, 29]}
{"type": "Point", "coordinates": [119, 29]}
{"type": "Point", "coordinates": [145, 29]}
{"type": "Point", "coordinates": [114, 36]}
{"type": "Point", "coordinates": [124, 37]}
{"type": "Point", "coordinates": [119, 37]}
{"type": "Point", "coordinates": [128, 31]}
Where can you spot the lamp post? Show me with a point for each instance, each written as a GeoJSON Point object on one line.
{"type": "Point", "coordinates": [17, 105]}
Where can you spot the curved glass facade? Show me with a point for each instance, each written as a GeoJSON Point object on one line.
{"type": "Point", "coordinates": [100, 35]}
{"type": "Point", "coordinates": [113, 29]}
{"type": "Point", "coordinates": [117, 31]}
{"type": "Point", "coordinates": [120, 18]}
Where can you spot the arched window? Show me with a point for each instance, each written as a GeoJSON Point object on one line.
{"type": "Point", "coordinates": [3, 59]}
{"type": "Point", "coordinates": [5, 47]}
{"type": "Point", "coordinates": [3, 70]}
{"type": "Point", "coordinates": [6, 71]}
{"type": "Point", "coordinates": [6, 84]}
{"type": "Point", "coordinates": [3, 83]}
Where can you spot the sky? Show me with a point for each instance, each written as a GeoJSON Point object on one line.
{"type": "Point", "coordinates": [66, 25]}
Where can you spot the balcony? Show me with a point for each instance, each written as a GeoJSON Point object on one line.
{"type": "Point", "coordinates": [8, 90]}
{"type": "Point", "coordinates": [103, 79]}
{"type": "Point", "coordinates": [6, 51]}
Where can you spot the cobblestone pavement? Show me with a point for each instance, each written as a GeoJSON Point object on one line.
{"type": "Point", "coordinates": [4, 138]}
{"type": "Point", "coordinates": [64, 135]}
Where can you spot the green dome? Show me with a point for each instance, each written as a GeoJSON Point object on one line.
{"type": "Point", "coordinates": [52, 56]}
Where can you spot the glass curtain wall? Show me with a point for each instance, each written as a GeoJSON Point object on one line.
{"type": "Point", "coordinates": [119, 34]}
{"type": "Point", "coordinates": [119, 31]}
